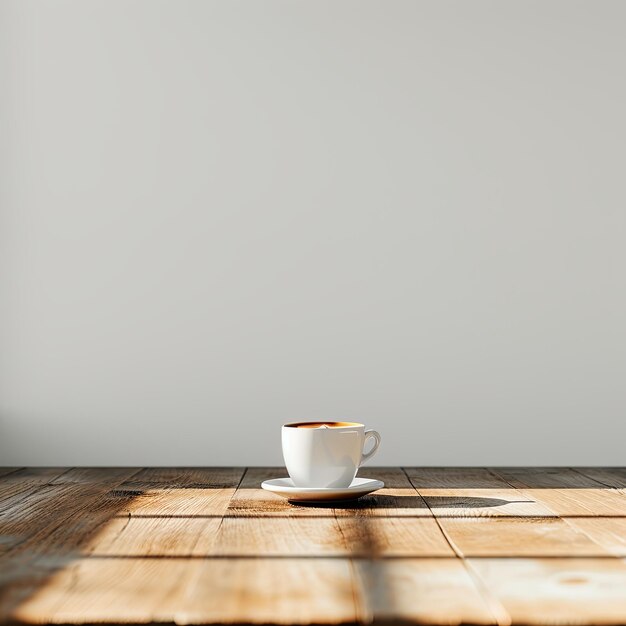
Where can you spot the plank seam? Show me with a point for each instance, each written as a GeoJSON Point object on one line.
{"type": "Point", "coordinates": [617, 489]}
{"type": "Point", "coordinates": [39, 557]}
{"type": "Point", "coordinates": [51, 529]}
{"type": "Point", "coordinates": [219, 526]}
{"type": "Point", "coordinates": [565, 518]}
{"type": "Point", "coordinates": [340, 557]}
{"type": "Point", "coordinates": [35, 489]}
{"type": "Point", "coordinates": [499, 614]}
{"type": "Point", "coordinates": [353, 575]}
{"type": "Point", "coordinates": [15, 469]}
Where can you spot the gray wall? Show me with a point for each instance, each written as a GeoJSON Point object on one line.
{"type": "Point", "coordinates": [218, 216]}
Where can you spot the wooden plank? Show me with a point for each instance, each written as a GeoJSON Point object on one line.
{"type": "Point", "coordinates": [200, 495]}
{"type": "Point", "coordinates": [274, 536]}
{"type": "Point", "coordinates": [126, 537]}
{"type": "Point", "coordinates": [228, 591]}
{"type": "Point", "coordinates": [83, 495]}
{"type": "Point", "coordinates": [84, 514]}
{"type": "Point", "coordinates": [92, 590]}
{"type": "Point", "coordinates": [457, 478]}
{"type": "Point", "coordinates": [547, 478]}
{"type": "Point", "coordinates": [609, 532]}
{"type": "Point", "coordinates": [108, 546]}
{"type": "Point", "coordinates": [557, 591]}
{"type": "Point", "coordinates": [185, 478]}
{"type": "Point", "coordinates": [9, 470]}
{"type": "Point", "coordinates": [565, 491]}
{"type": "Point", "coordinates": [278, 591]}
{"type": "Point", "coordinates": [16, 485]}
{"type": "Point", "coordinates": [182, 491]}
{"type": "Point", "coordinates": [50, 527]}
{"type": "Point", "coordinates": [27, 524]}
{"type": "Point", "coordinates": [422, 591]}
{"type": "Point", "coordinates": [331, 536]}
{"type": "Point", "coordinates": [518, 537]}
{"type": "Point", "coordinates": [172, 514]}
{"type": "Point", "coordinates": [609, 476]}
{"type": "Point", "coordinates": [108, 476]}
{"type": "Point", "coordinates": [260, 591]}
{"type": "Point", "coordinates": [394, 536]}
{"type": "Point", "coordinates": [475, 492]}
{"type": "Point", "coordinates": [56, 517]}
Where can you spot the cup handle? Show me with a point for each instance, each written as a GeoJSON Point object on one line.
{"type": "Point", "coordinates": [368, 455]}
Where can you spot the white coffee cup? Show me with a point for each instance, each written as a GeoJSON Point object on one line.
{"type": "Point", "coordinates": [326, 454]}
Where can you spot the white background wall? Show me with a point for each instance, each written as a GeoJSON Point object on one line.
{"type": "Point", "coordinates": [217, 216]}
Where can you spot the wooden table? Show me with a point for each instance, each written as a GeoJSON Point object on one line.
{"type": "Point", "coordinates": [206, 546]}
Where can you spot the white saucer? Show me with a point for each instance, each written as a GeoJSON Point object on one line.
{"type": "Point", "coordinates": [284, 487]}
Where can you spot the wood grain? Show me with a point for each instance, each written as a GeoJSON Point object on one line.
{"type": "Point", "coordinates": [609, 476]}
{"type": "Point", "coordinates": [266, 591]}
{"type": "Point", "coordinates": [45, 531]}
{"type": "Point", "coordinates": [457, 478]}
{"type": "Point", "coordinates": [172, 513]}
{"type": "Point", "coordinates": [174, 491]}
{"type": "Point", "coordinates": [608, 532]}
{"type": "Point", "coordinates": [527, 536]}
{"type": "Point", "coordinates": [92, 590]}
{"type": "Point", "coordinates": [211, 591]}
{"type": "Point", "coordinates": [557, 591]}
{"type": "Point", "coordinates": [38, 520]}
{"type": "Point", "coordinates": [208, 546]}
{"type": "Point", "coordinates": [423, 591]}
{"type": "Point", "coordinates": [14, 486]}
{"type": "Point", "coordinates": [9, 470]}
{"type": "Point", "coordinates": [565, 491]}
{"type": "Point", "coordinates": [326, 536]}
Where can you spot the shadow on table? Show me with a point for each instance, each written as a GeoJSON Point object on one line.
{"type": "Point", "coordinates": [409, 502]}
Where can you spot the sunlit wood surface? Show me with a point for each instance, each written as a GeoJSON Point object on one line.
{"type": "Point", "coordinates": [208, 546]}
